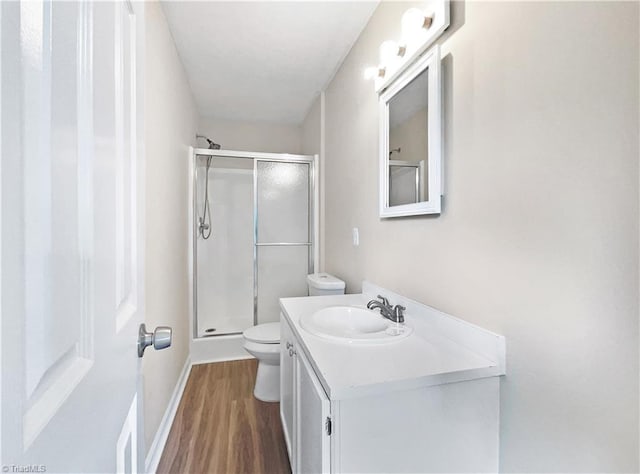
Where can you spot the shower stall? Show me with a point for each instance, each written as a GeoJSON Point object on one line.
{"type": "Point", "coordinates": [253, 237]}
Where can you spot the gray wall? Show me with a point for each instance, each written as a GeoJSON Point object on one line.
{"type": "Point", "coordinates": [538, 238]}
{"type": "Point", "coordinates": [170, 127]}
{"type": "Point", "coordinates": [310, 129]}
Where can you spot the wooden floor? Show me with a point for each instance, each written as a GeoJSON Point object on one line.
{"type": "Point", "coordinates": [221, 428]}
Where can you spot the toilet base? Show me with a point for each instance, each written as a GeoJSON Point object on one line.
{"type": "Point", "coordinates": [267, 387]}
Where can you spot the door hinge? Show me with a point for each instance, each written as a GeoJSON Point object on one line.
{"type": "Point", "coordinates": [328, 426]}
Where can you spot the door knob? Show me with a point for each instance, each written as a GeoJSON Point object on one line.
{"type": "Point", "coordinates": [160, 338]}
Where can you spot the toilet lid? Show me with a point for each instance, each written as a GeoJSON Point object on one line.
{"type": "Point", "coordinates": [268, 333]}
{"type": "Point", "coordinates": [324, 281]}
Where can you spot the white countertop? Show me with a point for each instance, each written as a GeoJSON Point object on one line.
{"type": "Point", "coordinates": [427, 357]}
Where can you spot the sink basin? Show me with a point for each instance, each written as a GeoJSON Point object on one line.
{"type": "Point", "coordinates": [353, 324]}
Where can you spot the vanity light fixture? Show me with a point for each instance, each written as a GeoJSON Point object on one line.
{"type": "Point", "coordinates": [420, 28]}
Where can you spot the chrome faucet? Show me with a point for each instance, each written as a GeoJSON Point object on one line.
{"type": "Point", "coordinates": [395, 313]}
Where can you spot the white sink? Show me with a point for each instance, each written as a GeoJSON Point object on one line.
{"type": "Point", "coordinates": [353, 324]}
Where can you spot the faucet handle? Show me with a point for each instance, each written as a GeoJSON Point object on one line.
{"type": "Point", "coordinates": [384, 300]}
{"type": "Point", "coordinates": [398, 312]}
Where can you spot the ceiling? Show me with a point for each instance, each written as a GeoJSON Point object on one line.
{"type": "Point", "coordinates": [263, 61]}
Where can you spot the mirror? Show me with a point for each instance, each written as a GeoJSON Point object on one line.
{"type": "Point", "coordinates": [411, 140]}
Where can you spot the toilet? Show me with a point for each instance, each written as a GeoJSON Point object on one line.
{"type": "Point", "coordinates": [323, 284]}
{"type": "Point", "coordinates": [263, 341]}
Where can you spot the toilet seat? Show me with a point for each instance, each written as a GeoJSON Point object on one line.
{"type": "Point", "coordinates": [268, 333]}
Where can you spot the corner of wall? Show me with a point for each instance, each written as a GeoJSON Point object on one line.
{"type": "Point", "coordinates": [170, 129]}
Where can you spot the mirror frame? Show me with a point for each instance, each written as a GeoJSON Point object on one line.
{"type": "Point", "coordinates": [430, 62]}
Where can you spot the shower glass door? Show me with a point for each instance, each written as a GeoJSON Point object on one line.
{"type": "Point", "coordinates": [253, 246]}
{"type": "Point", "coordinates": [283, 237]}
{"type": "Point", "coordinates": [224, 260]}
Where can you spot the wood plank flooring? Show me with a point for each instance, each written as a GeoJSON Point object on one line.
{"type": "Point", "coordinates": [220, 427]}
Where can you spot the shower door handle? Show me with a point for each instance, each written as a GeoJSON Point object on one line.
{"type": "Point", "coordinates": [160, 338]}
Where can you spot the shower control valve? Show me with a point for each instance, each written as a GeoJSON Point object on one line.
{"type": "Point", "coordinates": [202, 225]}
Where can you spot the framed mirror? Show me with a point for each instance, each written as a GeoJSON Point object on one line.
{"type": "Point", "coordinates": [411, 140]}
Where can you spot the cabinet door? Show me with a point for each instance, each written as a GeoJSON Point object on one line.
{"type": "Point", "coordinates": [312, 413]}
{"type": "Point", "coordinates": [287, 386]}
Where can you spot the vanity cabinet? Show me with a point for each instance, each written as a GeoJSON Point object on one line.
{"type": "Point", "coordinates": [287, 372]}
{"type": "Point", "coordinates": [304, 409]}
{"type": "Point", "coordinates": [313, 422]}
{"type": "Point", "coordinates": [428, 403]}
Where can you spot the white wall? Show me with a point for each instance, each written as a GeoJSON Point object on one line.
{"type": "Point", "coordinates": [170, 127]}
{"type": "Point", "coordinates": [409, 136]}
{"type": "Point", "coordinates": [538, 238]}
{"type": "Point", "coordinates": [252, 136]}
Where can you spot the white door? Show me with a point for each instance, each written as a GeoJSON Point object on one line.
{"type": "Point", "coordinates": [287, 396]}
{"type": "Point", "coordinates": [71, 235]}
{"type": "Point", "coordinates": [313, 427]}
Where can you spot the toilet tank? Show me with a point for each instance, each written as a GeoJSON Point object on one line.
{"type": "Point", "coordinates": [322, 284]}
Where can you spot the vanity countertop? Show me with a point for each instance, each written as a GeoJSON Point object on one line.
{"type": "Point", "coordinates": [441, 349]}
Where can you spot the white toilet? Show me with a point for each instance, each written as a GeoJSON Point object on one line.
{"type": "Point", "coordinates": [263, 341]}
{"type": "Point", "coordinates": [323, 284]}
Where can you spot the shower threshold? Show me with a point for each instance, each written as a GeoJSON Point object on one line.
{"type": "Point", "coordinates": [212, 327]}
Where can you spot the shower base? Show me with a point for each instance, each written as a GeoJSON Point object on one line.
{"type": "Point", "coordinates": [212, 326]}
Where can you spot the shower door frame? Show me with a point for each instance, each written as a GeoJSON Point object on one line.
{"type": "Point", "coordinates": [419, 170]}
{"type": "Point", "coordinates": [311, 161]}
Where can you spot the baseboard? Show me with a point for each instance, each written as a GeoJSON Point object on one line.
{"type": "Point", "coordinates": [155, 452]}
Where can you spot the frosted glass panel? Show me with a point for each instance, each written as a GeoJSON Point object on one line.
{"type": "Point", "coordinates": [282, 272]}
{"type": "Point", "coordinates": [225, 259]}
{"type": "Point", "coordinates": [283, 202]}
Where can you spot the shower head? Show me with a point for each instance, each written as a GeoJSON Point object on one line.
{"type": "Point", "coordinates": [212, 144]}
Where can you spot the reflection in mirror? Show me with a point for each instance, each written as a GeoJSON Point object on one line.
{"type": "Point", "coordinates": [408, 142]}
{"type": "Point", "coordinates": [411, 140]}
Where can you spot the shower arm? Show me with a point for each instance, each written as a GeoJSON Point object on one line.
{"type": "Point", "coordinates": [212, 144]}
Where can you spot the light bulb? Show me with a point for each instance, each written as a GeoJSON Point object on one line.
{"type": "Point", "coordinates": [373, 72]}
{"type": "Point", "coordinates": [414, 23]}
{"type": "Point", "coordinates": [370, 73]}
{"type": "Point", "coordinates": [390, 51]}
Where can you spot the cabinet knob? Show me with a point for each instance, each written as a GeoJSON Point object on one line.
{"type": "Point", "coordinates": [289, 345]}
{"type": "Point", "coordinates": [291, 352]}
